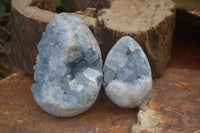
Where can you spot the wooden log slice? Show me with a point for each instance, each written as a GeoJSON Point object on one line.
{"type": "Point", "coordinates": [151, 23]}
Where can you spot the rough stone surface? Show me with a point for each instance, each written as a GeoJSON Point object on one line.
{"type": "Point", "coordinates": [127, 73]}
{"type": "Point", "coordinates": [68, 70]}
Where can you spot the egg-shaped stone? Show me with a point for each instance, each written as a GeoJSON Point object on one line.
{"type": "Point", "coordinates": [68, 70]}
{"type": "Point", "coordinates": [127, 74]}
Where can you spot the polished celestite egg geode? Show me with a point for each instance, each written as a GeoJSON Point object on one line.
{"type": "Point", "coordinates": [68, 70]}
{"type": "Point", "coordinates": [127, 74]}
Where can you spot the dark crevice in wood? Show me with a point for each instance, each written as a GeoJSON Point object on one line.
{"type": "Point", "coordinates": [44, 4]}
{"type": "Point", "coordinates": [186, 30]}
{"type": "Point", "coordinates": [84, 4]}
{"type": "Point", "coordinates": [84, 7]}
{"type": "Point", "coordinates": [188, 17]}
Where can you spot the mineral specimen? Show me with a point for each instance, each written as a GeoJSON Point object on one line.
{"type": "Point", "coordinates": [127, 74]}
{"type": "Point", "coordinates": [68, 70]}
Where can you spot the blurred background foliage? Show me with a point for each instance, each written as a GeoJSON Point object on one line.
{"type": "Point", "coordinates": [63, 6]}
{"type": "Point", "coordinates": [188, 4]}
{"type": "Point", "coordinates": [6, 66]}
{"type": "Point", "coordinates": [4, 6]}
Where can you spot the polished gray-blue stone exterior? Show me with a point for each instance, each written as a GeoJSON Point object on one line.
{"type": "Point", "coordinates": [68, 70]}
{"type": "Point", "coordinates": [127, 74]}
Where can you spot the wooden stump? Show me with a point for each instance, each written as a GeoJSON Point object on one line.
{"type": "Point", "coordinates": [151, 23]}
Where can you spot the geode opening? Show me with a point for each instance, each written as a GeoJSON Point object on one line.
{"type": "Point", "coordinates": [68, 70]}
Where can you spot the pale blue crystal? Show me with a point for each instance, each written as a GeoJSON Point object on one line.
{"type": "Point", "coordinates": [127, 74]}
{"type": "Point", "coordinates": [68, 70]}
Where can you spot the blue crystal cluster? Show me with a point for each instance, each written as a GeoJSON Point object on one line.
{"type": "Point", "coordinates": [127, 74]}
{"type": "Point", "coordinates": [68, 70]}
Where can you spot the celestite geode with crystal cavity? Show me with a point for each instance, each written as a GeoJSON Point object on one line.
{"type": "Point", "coordinates": [68, 70]}
{"type": "Point", "coordinates": [127, 74]}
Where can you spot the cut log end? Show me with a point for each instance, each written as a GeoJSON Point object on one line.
{"type": "Point", "coordinates": [151, 23]}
